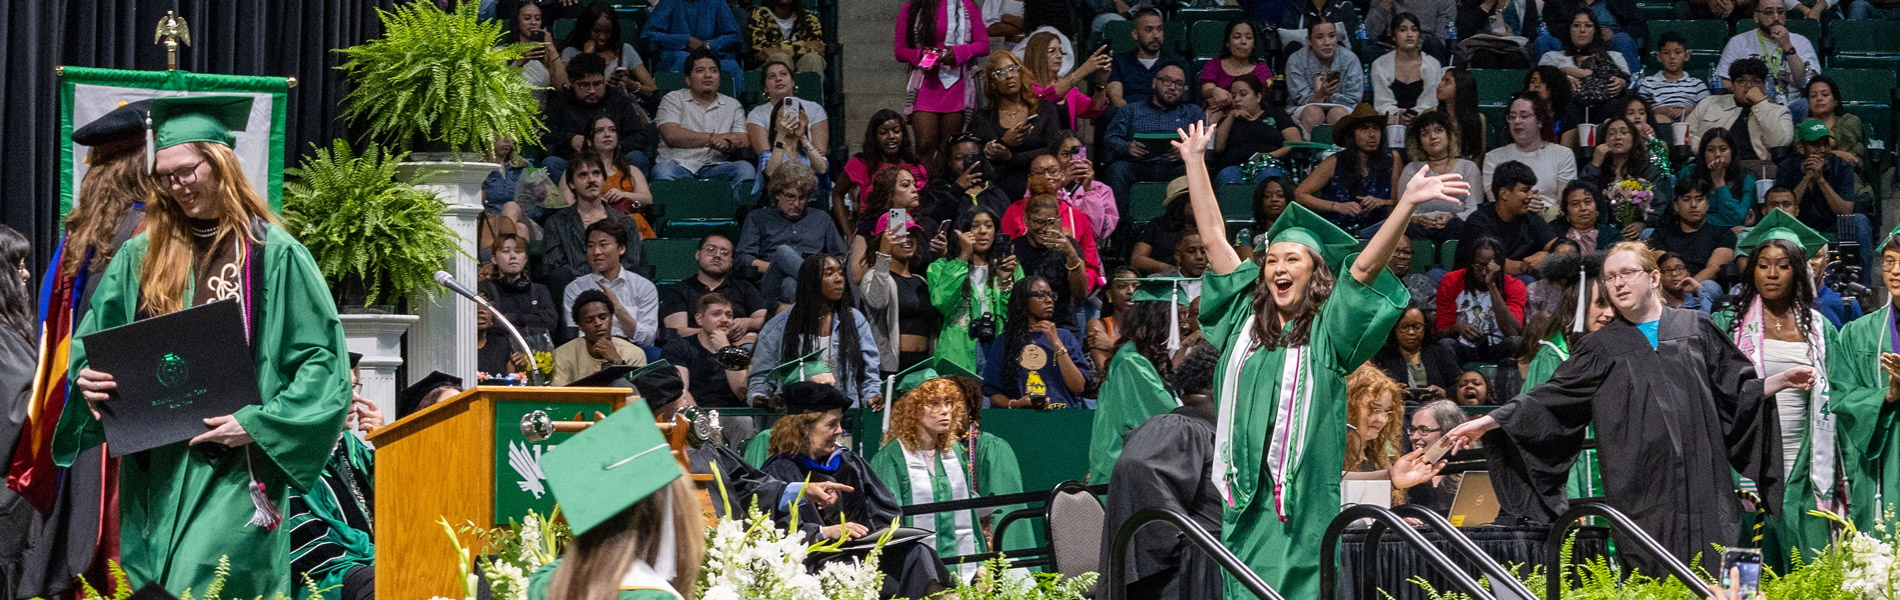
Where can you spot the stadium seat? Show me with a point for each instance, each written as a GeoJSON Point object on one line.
{"type": "Point", "coordinates": [671, 258]}
{"type": "Point", "coordinates": [1118, 35]}
{"type": "Point", "coordinates": [1495, 86]}
{"type": "Point", "coordinates": [1706, 37]}
{"type": "Point", "coordinates": [1447, 254]}
{"type": "Point", "coordinates": [1206, 39]}
{"type": "Point", "coordinates": [694, 206]}
{"type": "Point", "coordinates": [1865, 44]}
{"type": "Point", "coordinates": [1145, 201]}
{"type": "Point", "coordinates": [1219, 14]}
{"type": "Point", "coordinates": [667, 81]}
{"type": "Point", "coordinates": [559, 29]}
{"type": "Point", "coordinates": [1176, 33]}
{"type": "Point", "coordinates": [1808, 28]}
{"type": "Point", "coordinates": [811, 86]}
{"type": "Point", "coordinates": [1322, 134]}
{"type": "Point", "coordinates": [1424, 255]}
{"type": "Point", "coordinates": [1865, 87]}
{"type": "Point", "coordinates": [1236, 202]}
{"type": "Point", "coordinates": [1074, 529]}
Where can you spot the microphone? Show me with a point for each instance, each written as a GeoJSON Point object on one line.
{"type": "Point", "coordinates": [444, 279]}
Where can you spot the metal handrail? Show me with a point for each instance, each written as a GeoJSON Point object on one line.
{"type": "Point", "coordinates": [1637, 538]}
{"type": "Point", "coordinates": [1117, 586]}
{"type": "Point", "coordinates": [1384, 520]}
{"type": "Point", "coordinates": [1503, 584]}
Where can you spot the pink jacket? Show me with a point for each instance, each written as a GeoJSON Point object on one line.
{"type": "Point", "coordinates": [931, 95]}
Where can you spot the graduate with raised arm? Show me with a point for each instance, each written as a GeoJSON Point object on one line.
{"type": "Point", "coordinates": [1676, 408]}
{"type": "Point", "coordinates": [1864, 374]}
{"type": "Point", "coordinates": [1280, 430]}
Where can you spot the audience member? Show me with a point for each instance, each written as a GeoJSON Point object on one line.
{"type": "Point", "coordinates": [1824, 189]}
{"type": "Point", "coordinates": [495, 353]}
{"type": "Point", "coordinates": [1137, 136]}
{"type": "Point", "coordinates": [1759, 127]}
{"type": "Point", "coordinates": [784, 31]}
{"type": "Point", "coordinates": [893, 189]}
{"type": "Point", "coordinates": [1300, 18]}
{"type": "Point", "coordinates": [1498, 33]}
{"type": "Point", "coordinates": [1050, 177]}
{"type": "Point", "coordinates": [1046, 250]}
{"type": "Point", "coordinates": [1582, 206]}
{"type": "Point", "coordinates": [1103, 333]}
{"type": "Point", "coordinates": [498, 189]}
{"type": "Point", "coordinates": [1080, 190]}
{"type": "Point", "coordinates": [1673, 90]}
{"type": "Point", "coordinates": [1131, 76]}
{"type": "Point", "coordinates": [1679, 287]}
{"type": "Point", "coordinates": [541, 65]}
{"type": "Point", "coordinates": [1373, 412]}
{"type": "Point", "coordinates": [1780, 196]}
{"type": "Point", "coordinates": [597, 32]}
{"type": "Point", "coordinates": [1473, 390]}
{"type": "Point", "coordinates": [622, 187]}
{"type": "Point", "coordinates": [1249, 128]}
{"type": "Point", "coordinates": [1599, 72]}
{"type": "Point", "coordinates": [569, 117]}
{"type": "Point", "coordinates": [1399, 77]}
{"type": "Point", "coordinates": [963, 181]}
{"type": "Point", "coordinates": [1533, 144]}
{"type": "Point", "coordinates": [1355, 187]}
{"type": "Point", "coordinates": [1269, 200]}
{"type": "Point", "coordinates": [1709, 9]}
{"type": "Point", "coordinates": [1431, 143]}
{"type": "Point", "coordinates": [1621, 155]}
{"type": "Point", "coordinates": [970, 287]}
{"type": "Point", "coordinates": [1480, 307]}
{"type": "Point", "coordinates": [1732, 193]}
{"type": "Point", "coordinates": [1704, 249]}
{"type": "Point", "coordinates": [636, 302]}
{"type": "Point", "coordinates": [1508, 219]}
{"type": "Point", "coordinates": [1046, 60]}
{"type": "Point", "coordinates": [776, 238]}
{"type": "Point", "coordinates": [1154, 250]}
{"type": "Point", "coordinates": [939, 41]}
{"type": "Point", "coordinates": [787, 128]}
{"type": "Point", "coordinates": [1324, 78]}
{"type": "Point", "coordinates": [1787, 67]}
{"type": "Point", "coordinates": [679, 302]}
{"type": "Point", "coordinates": [887, 143]}
{"type": "Point", "coordinates": [1436, 20]}
{"type": "Point", "coordinates": [896, 297]}
{"type": "Point", "coordinates": [1428, 370]}
{"type": "Point", "coordinates": [1619, 24]}
{"type": "Point", "coordinates": [1236, 59]}
{"type": "Point", "coordinates": [521, 300]}
{"type": "Point", "coordinates": [1190, 261]}
{"type": "Point", "coordinates": [426, 392]}
{"type": "Point", "coordinates": [1457, 94]}
{"type": "Point", "coordinates": [1544, 297]}
{"type": "Point", "coordinates": [1016, 126]}
{"type": "Point", "coordinates": [1873, 9]}
{"type": "Point", "coordinates": [678, 28]}
{"type": "Point", "coordinates": [1003, 19]}
{"type": "Point", "coordinates": [822, 320]}
{"type": "Point", "coordinates": [565, 251]}
{"type": "Point", "coordinates": [701, 357]}
{"type": "Point", "coordinates": [1850, 133]}
{"type": "Point", "coordinates": [1429, 424]}
{"type": "Point", "coordinates": [1556, 89]}
{"type": "Point", "coordinates": [1423, 286]}
{"type": "Point", "coordinates": [1030, 364]}
{"type": "Point", "coordinates": [701, 130]}
{"type": "Point", "coordinates": [598, 347]}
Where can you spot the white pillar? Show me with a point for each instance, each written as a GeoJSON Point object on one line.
{"type": "Point", "coordinates": [444, 339]}
{"type": "Point", "coordinates": [379, 339]}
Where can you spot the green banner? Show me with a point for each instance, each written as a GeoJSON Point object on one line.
{"type": "Point", "coordinates": [520, 486]}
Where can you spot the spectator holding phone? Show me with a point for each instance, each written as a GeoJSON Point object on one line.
{"type": "Point", "coordinates": [1045, 55]}
{"type": "Point", "coordinates": [1046, 179]}
{"type": "Point", "coordinates": [597, 32]}
{"type": "Point", "coordinates": [893, 194]}
{"type": "Point", "coordinates": [1080, 189]}
{"type": "Point", "coordinates": [1016, 125]}
{"type": "Point", "coordinates": [786, 127]}
{"type": "Point", "coordinates": [542, 65]}
{"type": "Point", "coordinates": [1047, 250]}
{"type": "Point", "coordinates": [939, 40]}
{"type": "Point", "coordinates": [896, 297]}
{"type": "Point", "coordinates": [962, 181]}
{"type": "Point", "coordinates": [1399, 77]}
{"type": "Point", "coordinates": [1324, 78]}
{"type": "Point", "coordinates": [970, 287]}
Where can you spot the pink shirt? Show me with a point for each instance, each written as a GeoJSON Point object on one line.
{"type": "Point", "coordinates": [859, 172]}
{"type": "Point", "coordinates": [1073, 220]}
{"type": "Point", "coordinates": [932, 96]}
{"type": "Point", "coordinates": [1215, 74]}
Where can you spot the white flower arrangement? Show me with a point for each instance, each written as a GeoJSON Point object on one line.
{"type": "Point", "coordinates": [755, 560]}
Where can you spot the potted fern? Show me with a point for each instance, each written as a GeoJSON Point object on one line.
{"type": "Point", "coordinates": [377, 240]}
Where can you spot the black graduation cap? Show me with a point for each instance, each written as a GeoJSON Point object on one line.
{"type": "Point", "coordinates": [125, 123]}
{"type": "Point", "coordinates": [355, 358]}
{"type": "Point", "coordinates": [152, 591]}
{"type": "Point", "coordinates": [410, 398]}
{"type": "Point", "coordinates": [659, 383]}
{"type": "Point", "coordinates": [811, 397]}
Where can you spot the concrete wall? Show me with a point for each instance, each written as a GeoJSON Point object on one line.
{"type": "Point", "coordinates": [873, 79]}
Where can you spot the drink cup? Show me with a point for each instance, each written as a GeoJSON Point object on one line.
{"type": "Point", "coordinates": [1587, 135]}
{"type": "Point", "coordinates": [1395, 136]}
{"type": "Point", "coordinates": [1682, 133]}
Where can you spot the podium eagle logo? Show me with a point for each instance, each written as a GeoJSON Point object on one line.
{"type": "Point", "coordinates": [171, 370]}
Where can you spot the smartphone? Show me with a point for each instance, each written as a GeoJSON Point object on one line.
{"type": "Point", "coordinates": [1082, 153]}
{"type": "Point", "coordinates": [970, 160]}
{"type": "Point", "coordinates": [1745, 564]}
{"type": "Point", "coordinates": [943, 227]}
{"type": "Point", "coordinates": [787, 102]}
{"type": "Point", "coordinates": [1333, 76]}
{"type": "Point", "coordinates": [899, 219]}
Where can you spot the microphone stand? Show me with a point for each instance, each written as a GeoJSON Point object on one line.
{"type": "Point", "coordinates": [535, 377]}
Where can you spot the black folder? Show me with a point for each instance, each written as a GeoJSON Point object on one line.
{"type": "Point", "coordinates": [173, 372]}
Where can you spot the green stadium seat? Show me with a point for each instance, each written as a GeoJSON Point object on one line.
{"type": "Point", "coordinates": [559, 29]}
{"type": "Point", "coordinates": [1447, 254]}
{"type": "Point", "coordinates": [1424, 254]}
{"type": "Point", "coordinates": [1219, 14]}
{"type": "Point", "coordinates": [667, 81]}
{"type": "Point", "coordinates": [1656, 12]}
{"type": "Point", "coordinates": [695, 200]}
{"type": "Point", "coordinates": [672, 258]}
{"type": "Point", "coordinates": [1236, 201]}
{"type": "Point", "coordinates": [1495, 86]}
{"type": "Point", "coordinates": [1176, 33]}
{"type": "Point", "coordinates": [1206, 39]}
{"type": "Point", "coordinates": [1706, 36]}
{"type": "Point", "coordinates": [1118, 35]}
{"type": "Point", "coordinates": [1808, 28]}
{"type": "Point", "coordinates": [810, 86]}
{"type": "Point", "coordinates": [1865, 86]}
{"type": "Point", "coordinates": [1145, 201]}
{"type": "Point", "coordinates": [1865, 44]}
{"type": "Point", "coordinates": [1321, 133]}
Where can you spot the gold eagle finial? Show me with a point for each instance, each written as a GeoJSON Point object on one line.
{"type": "Point", "coordinates": [172, 31]}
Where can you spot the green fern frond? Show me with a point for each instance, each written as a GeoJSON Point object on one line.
{"type": "Point", "coordinates": [357, 219]}
{"type": "Point", "coordinates": [440, 76]}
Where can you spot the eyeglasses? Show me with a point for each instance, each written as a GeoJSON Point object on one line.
{"type": "Point", "coordinates": [717, 251]}
{"type": "Point", "coordinates": [999, 73]}
{"type": "Point", "coordinates": [1624, 275]}
{"type": "Point", "coordinates": [1048, 222]}
{"type": "Point", "coordinates": [1042, 295]}
{"type": "Point", "coordinates": [1055, 170]}
{"type": "Point", "coordinates": [1422, 429]}
{"type": "Point", "coordinates": [181, 175]}
{"type": "Point", "coordinates": [1170, 81]}
{"type": "Point", "coordinates": [1889, 265]}
{"type": "Point", "coordinates": [1675, 269]}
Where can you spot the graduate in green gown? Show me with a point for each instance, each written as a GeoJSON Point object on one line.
{"type": "Point", "coordinates": [1135, 388]}
{"type": "Point", "coordinates": [1774, 323]}
{"type": "Point", "coordinates": [971, 289]}
{"type": "Point", "coordinates": [921, 463]}
{"type": "Point", "coordinates": [1864, 383]}
{"type": "Point", "coordinates": [1281, 393]}
{"type": "Point", "coordinates": [619, 485]}
{"type": "Point", "coordinates": [209, 237]}
{"type": "Point", "coordinates": [331, 524]}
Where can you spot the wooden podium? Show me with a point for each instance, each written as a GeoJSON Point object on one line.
{"type": "Point", "coordinates": [441, 463]}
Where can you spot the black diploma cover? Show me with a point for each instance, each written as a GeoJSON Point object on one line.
{"type": "Point", "coordinates": [173, 372]}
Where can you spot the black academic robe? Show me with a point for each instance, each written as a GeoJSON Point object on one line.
{"type": "Point", "coordinates": [745, 486]}
{"type": "Point", "coordinates": [909, 568]}
{"type": "Point", "coordinates": [1671, 422]}
{"type": "Point", "coordinates": [1166, 463]}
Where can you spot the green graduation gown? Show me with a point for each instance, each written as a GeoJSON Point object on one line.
{"type": "Point", "coordinates": [998, 473]}
{"type": "Point", "coordinates": [958, 532]}
{"type": "Point", "coordinates": [759, 448]}
{"type": "Point", "coordinates": [1586, 480]}
{"type": "Point", "coordinates": [1793, 529]}
{"type": "Point", "coordinates": [950, 293]}
{"type": "Point", "coordinates": [1864, 420]}
{"type": "Point", "coordinates": [180, 510]}
{"type": "Point", "coordinates": [1351, 327]}
{"type": "Point", "coordinates": [1132, 394]}
{"type": "Point", "coordinates": [330, 523]}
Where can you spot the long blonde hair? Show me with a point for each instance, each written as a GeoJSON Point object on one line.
{"type": "Point", "coordinates": [115, 179]}
{"type": "Point", "coordinates": [1364, 387]}
{"type": "Point", "coordinates": [166, 269]}
{"type": "Point", "coordinates": [1025, 93]}
{"type": "Point", "coordinates": [907, 419]}
{"type": "Point", "coordinates": [595, 563]}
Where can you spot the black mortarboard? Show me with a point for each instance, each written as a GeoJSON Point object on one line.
{"type": "Point", "coordinates": [355, 358]}
{"type": "Point", "coordinates": [410, 398]}
{"type": "Point", "coordinates": [659, 384]}
{"type": "Point", "coordinates": [810, 397]}
{"type": "Point", "coordinates": [125, 123]}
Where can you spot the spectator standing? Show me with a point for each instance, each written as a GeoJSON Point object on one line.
{"type": "Point", "coordinates": [970, 286]}
{"type": "Point", "coordinates": [1355, 187]}
{"type": "Point", "coordinates": [1598, 71]}
{"type": "Point", "coordinates": [1399, 77]}
{"type": "Point", "coordinates": [1457, 94]}
{"type": "Point", "coordinates": [1324, 78]}
{"type": "Point", "coordinates": [1533, 144]}
{"type": "Point", "coordinates": [701, 129]}
{"type": "Point", "coordinates": [677, 28]}
{"type": "Point", "coordinates": [1824, 190]}
{"type": "Point", "coordinates": [1137, 135]}
{"type": "Point", "coordinates": [1704, 250]}
{"type": "Point", "coordinates": [824, 322]}
{"type": "Point", "coordinates": [897, 297]}
{"type": "Point", "coordinates": [1672, 90]}
{"type": "Point", "coordinates": [1481, 308]}
{"type": "Point", "coordinates": [597, 347]}
{"type": "Point", "coordinates": [1508, 219]}
{"type": "Point", "coordinates": [1437, 21]}
{"type": "Point", "coordinates": [1787, 57]}
{"type": "Point", "coordinates": [712, 382]}
{"type": "Point", "coordinates": [569, 117]}
{"type": "Point", "coordinates": [783, 31]}
{"type": "Point", "coordinates": [1582, 208]}
{"type": "Point", "coordinates": [786, 127]}
{"type": "Point", "coordinates": [887, 142]}
{"type": "Point", "coordinates": [1236, 59]}
{"type": "Point", "coordinates": [1132, 73]}
{"type": "Point", "coordinates": [1046, 59]}
{"type": "Point", "coordinates": [939, 40]}
{"type": "Point", "coordinates": [679, 303]}
{"type": "Point", "coordinates": [1033, 363]}
{"type": "Point", "coordinates": [1431, 143]}
{"type": "Point", "coordinates": [1249, 128]}
{"type": "Point", "coordinates": [636, 302]}
{"type": "Point", "coordinates": [521, 300]}
{"type": "Point", "coordinates": [1619, 24]}
{"type": "Point", "coordinates": [565, 251]}
{"type": "Point", "coordinates": [1758, 125]}
{"type": "Point", "coordinates": [541, 65]}
{"type": "Point", "coordinates": [1732, 192]}
{"type": "Point", "coordinates": [1016, 126]}
{"type": "Point", "coordinates": [778, 237]}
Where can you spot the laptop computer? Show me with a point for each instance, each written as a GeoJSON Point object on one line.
{"type": "Point", "coordinates": [1476, 503]}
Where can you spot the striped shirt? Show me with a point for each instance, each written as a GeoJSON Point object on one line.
{"type": "Point", "coordinates": [1685, 91]}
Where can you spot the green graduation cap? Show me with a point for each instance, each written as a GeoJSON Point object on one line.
{"type": "Point", "coordinates": [1168, 289]}
{"type": "Point", "coordinates": [1887, 240]}
{"type": "Point", "coordinates": [186, 119]}
{"type": "Point", "coordinates": [928, 369]}
{"type": "Point", "coordinates": [800, 369]}
{"type": "Point", "coordinates": [1779, 225]}
{"type": "Point", "coordinates": [1301, 226]}
{"type": "Point", "coordinates": [608, 467]}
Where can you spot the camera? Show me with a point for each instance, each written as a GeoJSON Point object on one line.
{"type": "Point", "coordinates": [735, 357]}
{"type": "Point", "coordinates": [1843, 272]}
{"type": "Point", "coordinates": [983, 328]}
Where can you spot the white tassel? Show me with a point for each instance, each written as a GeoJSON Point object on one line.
{"type": "Point", "coordinates": [664, 561]}
{"type": "Point", "coordinates": [151, 145]}
{"type": "Point", "coordinates": [1583, 304]}
{"type": "Point", "coordinates": [1174, 319]}
{"type": "Point", "coordinates": [265, 514]}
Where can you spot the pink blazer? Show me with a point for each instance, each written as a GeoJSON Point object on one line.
{"type": "Point", "coordinates": [931, 95]}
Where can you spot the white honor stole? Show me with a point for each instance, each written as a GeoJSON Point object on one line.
{"type": "Point", "coordinates": [1820, 417]}
{"type": "Point", "coordinates": [959, 525]}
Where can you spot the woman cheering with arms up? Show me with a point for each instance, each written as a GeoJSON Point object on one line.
{"type": "Point", "coordinates": [1278, 448]}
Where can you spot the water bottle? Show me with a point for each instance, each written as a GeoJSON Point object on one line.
{"type": "Point", "coordinates": [1362, 32]}
{"type": "Point", "coordinates": [1715, 81]}
{"type": "Point", "coordinates": [1451, 30]}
